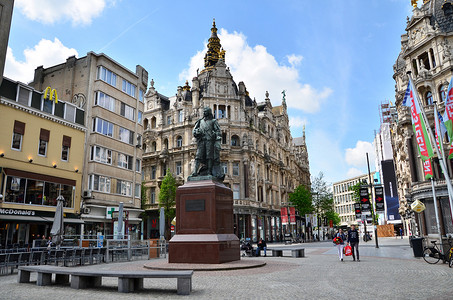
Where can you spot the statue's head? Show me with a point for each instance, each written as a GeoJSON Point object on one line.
{"type": "Point", "coordinates": [207, 112]}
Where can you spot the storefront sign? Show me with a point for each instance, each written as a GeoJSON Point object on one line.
{"type": "Point", "coordinates": [358, 210]}
{"type": "Point", "coordinates": [18, 212]}
{"type": "Point", "coordinates": [379, 193]}
{"type": "Point", "coordinates": [284, 215]}
{"type": "Point", "coordinates": [51, 94]}
{"type": "Point", "coordinates": [365, 199]}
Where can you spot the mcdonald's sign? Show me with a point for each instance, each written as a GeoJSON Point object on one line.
{"type": "Point", "coordinates": [51, 94]}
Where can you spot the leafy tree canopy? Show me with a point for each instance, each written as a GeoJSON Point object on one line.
{"type": "Point", "coordinates": [356, 192]}
{"type": "Point", "coordinates": [301, 199]}
{"type": "Point", "coordinates": [167, 200]}
{"type": "Point", "coordinates": [322, 195]}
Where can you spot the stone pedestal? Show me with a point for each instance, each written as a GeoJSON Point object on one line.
{"type": "Point", "coordinates": [204, 224]}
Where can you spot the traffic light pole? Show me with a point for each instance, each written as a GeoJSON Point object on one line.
{"type": "Point", "coordinates": [373, 204]}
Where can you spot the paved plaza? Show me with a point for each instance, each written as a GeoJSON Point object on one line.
{"type": "Point", "coordinates": [390, 272]}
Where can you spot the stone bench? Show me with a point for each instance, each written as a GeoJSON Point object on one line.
{"type": "Point", "coordinates": [295, 252]}
{"type": "Point", "coordinates": [128, 281]}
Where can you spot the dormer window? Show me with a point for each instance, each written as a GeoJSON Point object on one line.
{"type": "Point", "coordinates": [447, 7]}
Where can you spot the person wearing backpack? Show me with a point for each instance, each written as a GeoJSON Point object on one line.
{"type": "Point", "coordinates": [338, 240]}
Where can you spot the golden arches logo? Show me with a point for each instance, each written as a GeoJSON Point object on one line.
{"type": "Point", "coordinates": [51, 94]}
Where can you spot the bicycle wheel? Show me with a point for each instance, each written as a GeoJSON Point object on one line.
{"type": "Point", "coordinates": [431, 255]}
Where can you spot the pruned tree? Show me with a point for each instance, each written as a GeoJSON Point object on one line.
{"type": "Point", "coordinates": [167, 200]}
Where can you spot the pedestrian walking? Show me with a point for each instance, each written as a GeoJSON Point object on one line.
{"type": "Point", "coordinates": [401, 233]}
{"type": "Point", "coordinates": [338, 240]}
{"type": "Point", "coordinates": [353, 240]}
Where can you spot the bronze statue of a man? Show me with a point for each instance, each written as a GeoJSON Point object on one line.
{"type": "Point", "coordinates": [208, 135]}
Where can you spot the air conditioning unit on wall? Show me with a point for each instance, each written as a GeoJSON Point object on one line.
{"type": "Point", "coordinates": [86, 195]}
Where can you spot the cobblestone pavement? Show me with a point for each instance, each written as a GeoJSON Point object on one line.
{"type": "Point", "coordinates": [390, 272]}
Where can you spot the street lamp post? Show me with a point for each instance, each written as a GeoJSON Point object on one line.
{"type": "Point", "coordinates": [373, 205]}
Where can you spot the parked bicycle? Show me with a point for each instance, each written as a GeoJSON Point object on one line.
{"type": "Point", "coordinates": [432, 254]}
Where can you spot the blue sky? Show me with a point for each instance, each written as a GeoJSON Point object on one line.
{"type": "Point", "coordinates": [334, 58]}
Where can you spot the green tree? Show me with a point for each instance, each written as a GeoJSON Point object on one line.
{"type": "Point", "coordinates": [167, 200]}
{"type": "Point", "coordinates": [301, 199]}
{"type": "Point", "coordinates": [331, 215]}
{"type": "Point", "coordinates": [356, 192]}
{"type": "Point", "coordinates": [144, 195]}
{"type": "Point", "coordinates": [323, 199]}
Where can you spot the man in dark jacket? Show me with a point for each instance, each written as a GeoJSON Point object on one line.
{"type": "Point", "coordinates": [261, 246]}
{"type": "Point", "coordinates": [353, 240]}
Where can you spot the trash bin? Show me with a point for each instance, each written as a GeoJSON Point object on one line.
{"type": "Point", "coordinates": [153, 248]}
{"type": "Point", "coordinates": [417, 246]}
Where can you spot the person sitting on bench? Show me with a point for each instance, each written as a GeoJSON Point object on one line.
{"type": "Point", "coordinates": [261, 246]}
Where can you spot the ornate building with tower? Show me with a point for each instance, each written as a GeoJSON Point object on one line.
{"type": "Point", "coordinates": [261, 161]}
{"type": "Point", "coordinates": [425, 52]}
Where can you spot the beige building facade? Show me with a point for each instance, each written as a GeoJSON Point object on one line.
{"type": "Point", "coordinates": [41, 158]}
{"type": "Point", "coordinates": [112, 97]}
{"type": "Point", "coordinates": [261, 161]}
{"type": "Point", "coordinates": [425, 52]}
{"type": "Point", "coordinates": [343, 199]}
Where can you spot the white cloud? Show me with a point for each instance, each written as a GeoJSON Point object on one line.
{"type": "Point", "coordinates": [297, 122]}
{"type": "Point", "coordinates": [294, 59]}
{"type": "Point", "coordinates": [261, 72]}
{"type": "Point", "coordinates": [353, 172]}
{"type": "Point", "coordinates": [51, 11]}
{"type": "Point", "coordinates": [46, 53]}
{"type": "Point", "coordinates": [357, 156]}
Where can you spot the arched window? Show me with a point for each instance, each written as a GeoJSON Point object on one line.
{"type": "Point", "coordinates": [153, 147]}
{"type": "Point", "coordinates": [179, 141]}
{"type": "Point", "coordinates": [145, 123]}
{"type": "Point", "coordinates": [429, 98]}
{"type": "Point", "coordinates": [144, 147]}
{"type": "Point", "coordinates": [235, 140]}
{"type": "Point", "coordinates": [153, 122]}
{"type": "Point", "coordinates": [166, 143]}
{"type": "Point", "coordinates": [443, 92]}
{"type": "Point", "coordinates": [224, 137]}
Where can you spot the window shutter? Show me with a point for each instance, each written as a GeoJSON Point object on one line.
{"type": "Point", "coordinates": [131, 137]}
{"type": "Point", "coordinates": [44, 135]}
{"type": "Point", "coordinates": [67, 141]}
{"type": "Point", "coordinates": [123, 109]}
{"type": "Point", "coordinates": [19, 127]}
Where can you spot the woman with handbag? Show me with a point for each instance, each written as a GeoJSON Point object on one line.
{"type": "Point", "coordinates": [338, 240]}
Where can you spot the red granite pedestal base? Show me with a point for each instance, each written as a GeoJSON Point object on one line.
{"type": "Point", "coordinates": [204, 224]}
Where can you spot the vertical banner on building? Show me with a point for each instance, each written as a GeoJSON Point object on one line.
{"type": "Point", "coordinates": [379, 194]}
{"type": "Point", "coordinates": [391, 194]}
{"type": "Point", "coordinates": [292, 215]}
{"type": "Point", "coordinates": [365, 199]}
{"type": "Point", "coordinates": [284, 215]}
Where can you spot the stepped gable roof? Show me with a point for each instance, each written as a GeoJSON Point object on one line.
{"type": "Point", "coordinates": [442, 14]}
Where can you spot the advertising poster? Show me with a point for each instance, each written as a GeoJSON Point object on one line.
{"type": "Point", "coordinates": [292, 215]}
{"type": "Point", "coordinates": [284, 215]}
{"type": "Point", "coordinates": [390, 190]}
